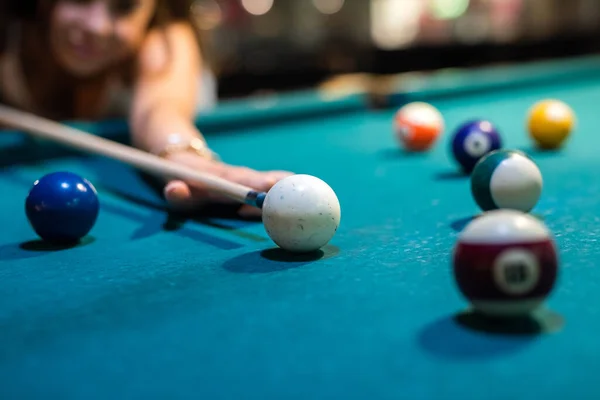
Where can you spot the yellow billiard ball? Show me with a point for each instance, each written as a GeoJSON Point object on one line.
{"type": "Point", "coordinates": [550, 122]}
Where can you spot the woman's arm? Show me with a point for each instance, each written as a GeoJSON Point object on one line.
{"type": "Point", "coordinates": [169, 66]}
{"type": "Point", "coordinates": [164, 105]}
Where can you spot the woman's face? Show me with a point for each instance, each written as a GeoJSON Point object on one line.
{"type": "Point", "coordinates": [88, 36]}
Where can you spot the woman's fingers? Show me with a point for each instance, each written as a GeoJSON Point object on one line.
{"type": "Point", "coordinates": [179, 195]}
{"type": "Point", "coordinates": [182, 198]}
{"type": "Point", "coordinates": [185, 197]}
{"type": "Point", "coordinates": [259, 181]}
{"type": "Point", "coordinates": [247, 211]}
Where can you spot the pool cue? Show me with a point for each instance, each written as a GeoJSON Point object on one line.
{"type": "Point", "coordinates": [150, 163]}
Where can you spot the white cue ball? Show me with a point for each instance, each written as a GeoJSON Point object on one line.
{"type": "Point", "coordinates": [301, 213]}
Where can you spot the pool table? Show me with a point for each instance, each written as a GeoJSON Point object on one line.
{"type": "Point", "coordinates": [156, 305]}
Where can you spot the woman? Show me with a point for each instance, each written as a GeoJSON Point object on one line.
{"type": "Point", "coordinates": [90, 59]}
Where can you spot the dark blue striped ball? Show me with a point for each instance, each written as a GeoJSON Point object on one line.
{"type": "Point", "coordinates": [472, 141]}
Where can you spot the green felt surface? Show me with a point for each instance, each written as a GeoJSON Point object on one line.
{"type": "Point", "coordinates": [149, 307]}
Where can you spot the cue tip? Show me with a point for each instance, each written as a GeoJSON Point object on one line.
{"type": "Point", "coordinates": [256, 199]}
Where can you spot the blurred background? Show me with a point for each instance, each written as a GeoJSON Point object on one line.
{"type": "Point", "coordinates": [280, 45]}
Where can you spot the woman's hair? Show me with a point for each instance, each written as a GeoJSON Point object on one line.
{"type": "Point", "coordinates": [167, 11]}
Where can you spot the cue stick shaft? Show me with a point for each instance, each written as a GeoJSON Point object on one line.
{"type": "Point", "coordinates": [142, 160]}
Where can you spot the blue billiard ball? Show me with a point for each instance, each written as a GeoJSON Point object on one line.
{"type": "Point", "coordinates": [472, 141]}
{"type": "Point", "coordinates": [62, 207]}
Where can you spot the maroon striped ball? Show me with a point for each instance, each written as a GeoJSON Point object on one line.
{"type": "Point", "coordinates": [505, 263]}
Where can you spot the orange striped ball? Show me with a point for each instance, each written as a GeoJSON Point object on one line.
{"type": "Point", "coordinates": [417, 126]}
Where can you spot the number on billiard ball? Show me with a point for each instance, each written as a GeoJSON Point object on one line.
{"type": "Point", "coordinates": [516, 271]}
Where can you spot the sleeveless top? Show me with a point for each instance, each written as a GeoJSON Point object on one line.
{"type": "Point", "coordinates": [13, 90]}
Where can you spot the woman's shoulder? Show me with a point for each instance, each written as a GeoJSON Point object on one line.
{"type": "Point", "coordinates": [169, 35]}
{"type": "Point", "coordinates": [165, 44]}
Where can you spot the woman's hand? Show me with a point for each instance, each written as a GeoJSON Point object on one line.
{"type": "Point", "coordinates": [164, 107]}
{"type": "Point", "coordinates": [184, 197]}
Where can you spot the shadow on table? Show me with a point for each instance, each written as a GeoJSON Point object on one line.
{"type": "Point", "coordinates": [541, 153]}
{"type": "Point", "coordinates": [41, 246]}
{"type": "Point", "coordinates": [37, 247]}
{"type": "Point", "coordinates": [451, 175]}
{"type": "Point", "coordinates": [469, 335]}
{"type": "Point", "coordinates": [276, 259]}
{"type": "Point", "coordinates": [398, 153]}
{"type": "Point", "coordinates": [459, 224]}
{"type": "Point", "coordinates": [153, 215]}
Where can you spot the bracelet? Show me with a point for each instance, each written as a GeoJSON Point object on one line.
{"type": "Point", "coordinates": [195, 145]}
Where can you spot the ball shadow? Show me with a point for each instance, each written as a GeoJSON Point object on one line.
{"type": "Point", "coordinates": [469, 336]}
{"type": "Point", "coordinates": [278, 254]}
{"type": "Point", "coordinates": [538, 216]}
{"type": "Point", "coordinates": [400, 153]}
{"type": "Point", "coordinates": [540, 322]}
{"type": "Point", "coordinates": [451, 175]}
{"type": "Point", "coordinates": [21, 251]}
{"type": "Point", "coordinates": [43, 246]}
{"type": "Point", "coordinates": [275, 260]}
{"type": "Point", "coordinates": [460, 224]}
{"type": "Point", "coordinates": [541, 152]}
